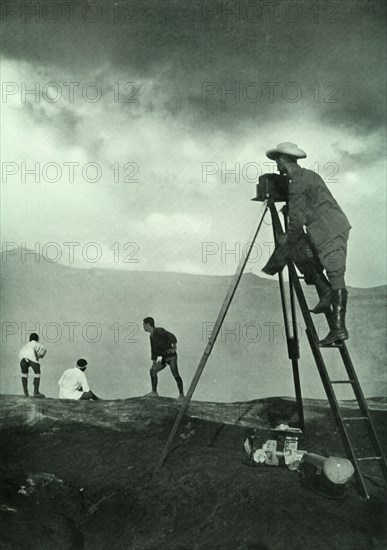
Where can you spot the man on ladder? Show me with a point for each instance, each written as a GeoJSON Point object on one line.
{"type": "Point", "coordinates": [314, 236]}
{"type": "Point", "coordinates": [312, 205]}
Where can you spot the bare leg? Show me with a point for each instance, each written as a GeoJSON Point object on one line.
{"type": "Point", "coordinates": [157, 367]}
{"type": "Point", "coordinates": [154, 380]}
{"type": "Point", "coordinates": [175, 372]}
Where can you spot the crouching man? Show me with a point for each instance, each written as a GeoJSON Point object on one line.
{"type": "Point", "coordinates": [163, 344]}
{"type": "Point", "coordinates": [73, 383]}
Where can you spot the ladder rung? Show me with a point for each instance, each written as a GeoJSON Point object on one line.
{"type": "Point", "coordinates": [330, 346]}
{"type": "Point", "coordinates": [356, 418]}
{"type": "Point", "coordinates": [369, 458]}
{"type": "Point", "coordinates": [342, 381]}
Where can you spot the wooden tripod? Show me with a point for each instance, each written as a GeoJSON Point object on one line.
{"type": "Point", "coordinates": [290, 329]}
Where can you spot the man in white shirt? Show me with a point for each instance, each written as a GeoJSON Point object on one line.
{"type": "Point", "coordinates": [73, 383]}
{"type": "Point", "coordinates": [29, 356]}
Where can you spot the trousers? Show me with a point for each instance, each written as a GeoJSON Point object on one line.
{"type": "Point", "coordinates": [310, 259]}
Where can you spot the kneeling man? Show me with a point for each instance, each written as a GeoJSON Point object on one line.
{"type": "Point", "coordinates": [73, 383]}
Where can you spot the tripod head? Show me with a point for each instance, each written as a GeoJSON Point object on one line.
{"type": "Point", "coordinates": [273, 186]}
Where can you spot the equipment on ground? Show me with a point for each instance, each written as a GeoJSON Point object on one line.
{"type": "Point", "coordinates": [326, 475]}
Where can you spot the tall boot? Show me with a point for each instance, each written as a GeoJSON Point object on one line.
{"type": "Point", "coordinates": [25, 385]}
{"type": "Point", "coordinates": [338, 329]}
{"type": "Point", "coordinates": [36, 388]}
{"type": "Point", "coordinates": [323, 288]}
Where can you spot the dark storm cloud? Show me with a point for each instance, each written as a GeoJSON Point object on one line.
{"type": "Point", "coordinates": [352, 161]}
{"type": "Point", "coordinates": [63, 118]}
{"type": "Point", "coordinates": [180, 46]}
{"type": "Point", "coordinates": [172, 132]}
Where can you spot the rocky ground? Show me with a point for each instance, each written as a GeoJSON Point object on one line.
{"type": "Point", "coordinates": [81, 476]}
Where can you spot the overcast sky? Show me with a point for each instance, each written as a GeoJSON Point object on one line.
{"type": "Point", "coordinates": [314, 77]}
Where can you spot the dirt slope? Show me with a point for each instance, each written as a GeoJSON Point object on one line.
{"type": "Point", "coordinates": [92, 465]}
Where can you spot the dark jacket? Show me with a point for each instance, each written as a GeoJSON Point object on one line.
{"type": "Point", "coordinates": [312, 204]}
{"type": "Point", "coordinates": [161, 341]}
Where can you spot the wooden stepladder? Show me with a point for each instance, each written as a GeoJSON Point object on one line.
{"type": "Point", "coordinates": [343, 423]}
{"type": "Point", "coordinates": [296, 292]}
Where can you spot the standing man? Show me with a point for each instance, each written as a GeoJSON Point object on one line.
{"type": "Point", "coordinates": [29, 356]}
{"type": "Point", "coordinates": [73, 383]}
{"type": "Point", "coordinates": [311, 206]}
{"type": "Point", "coordinates": [163, 344]}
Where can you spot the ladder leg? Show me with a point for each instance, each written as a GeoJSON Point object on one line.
{"type": "Point", "coordinates": [333, 402]}
{"type": "Point", "coordinates": [349, 450]}
{"type": "Point", "coordinates": [363, 407]}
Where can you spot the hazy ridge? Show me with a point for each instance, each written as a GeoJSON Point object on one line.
{"type": "Point", "coordinates": [77, 306]}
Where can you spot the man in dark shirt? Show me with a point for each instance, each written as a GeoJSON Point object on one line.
{"type": "Point", "coordinates": [163, 344]}
{"type": "Point", "coordinates": [312, 206]}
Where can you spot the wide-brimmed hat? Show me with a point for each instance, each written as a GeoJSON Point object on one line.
{"type": "Point", "coordinates": [286, 148]}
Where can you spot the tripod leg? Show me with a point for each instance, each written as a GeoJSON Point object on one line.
{"type": "Point", "coordinates": [212, 339]}
{"type": "Point", "coordinates": [291, 335]}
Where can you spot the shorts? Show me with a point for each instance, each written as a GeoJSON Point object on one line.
{"type": "Point", "coordinates": [26, 363]}
{"type": "Point", "coordinates": [170, 360]}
